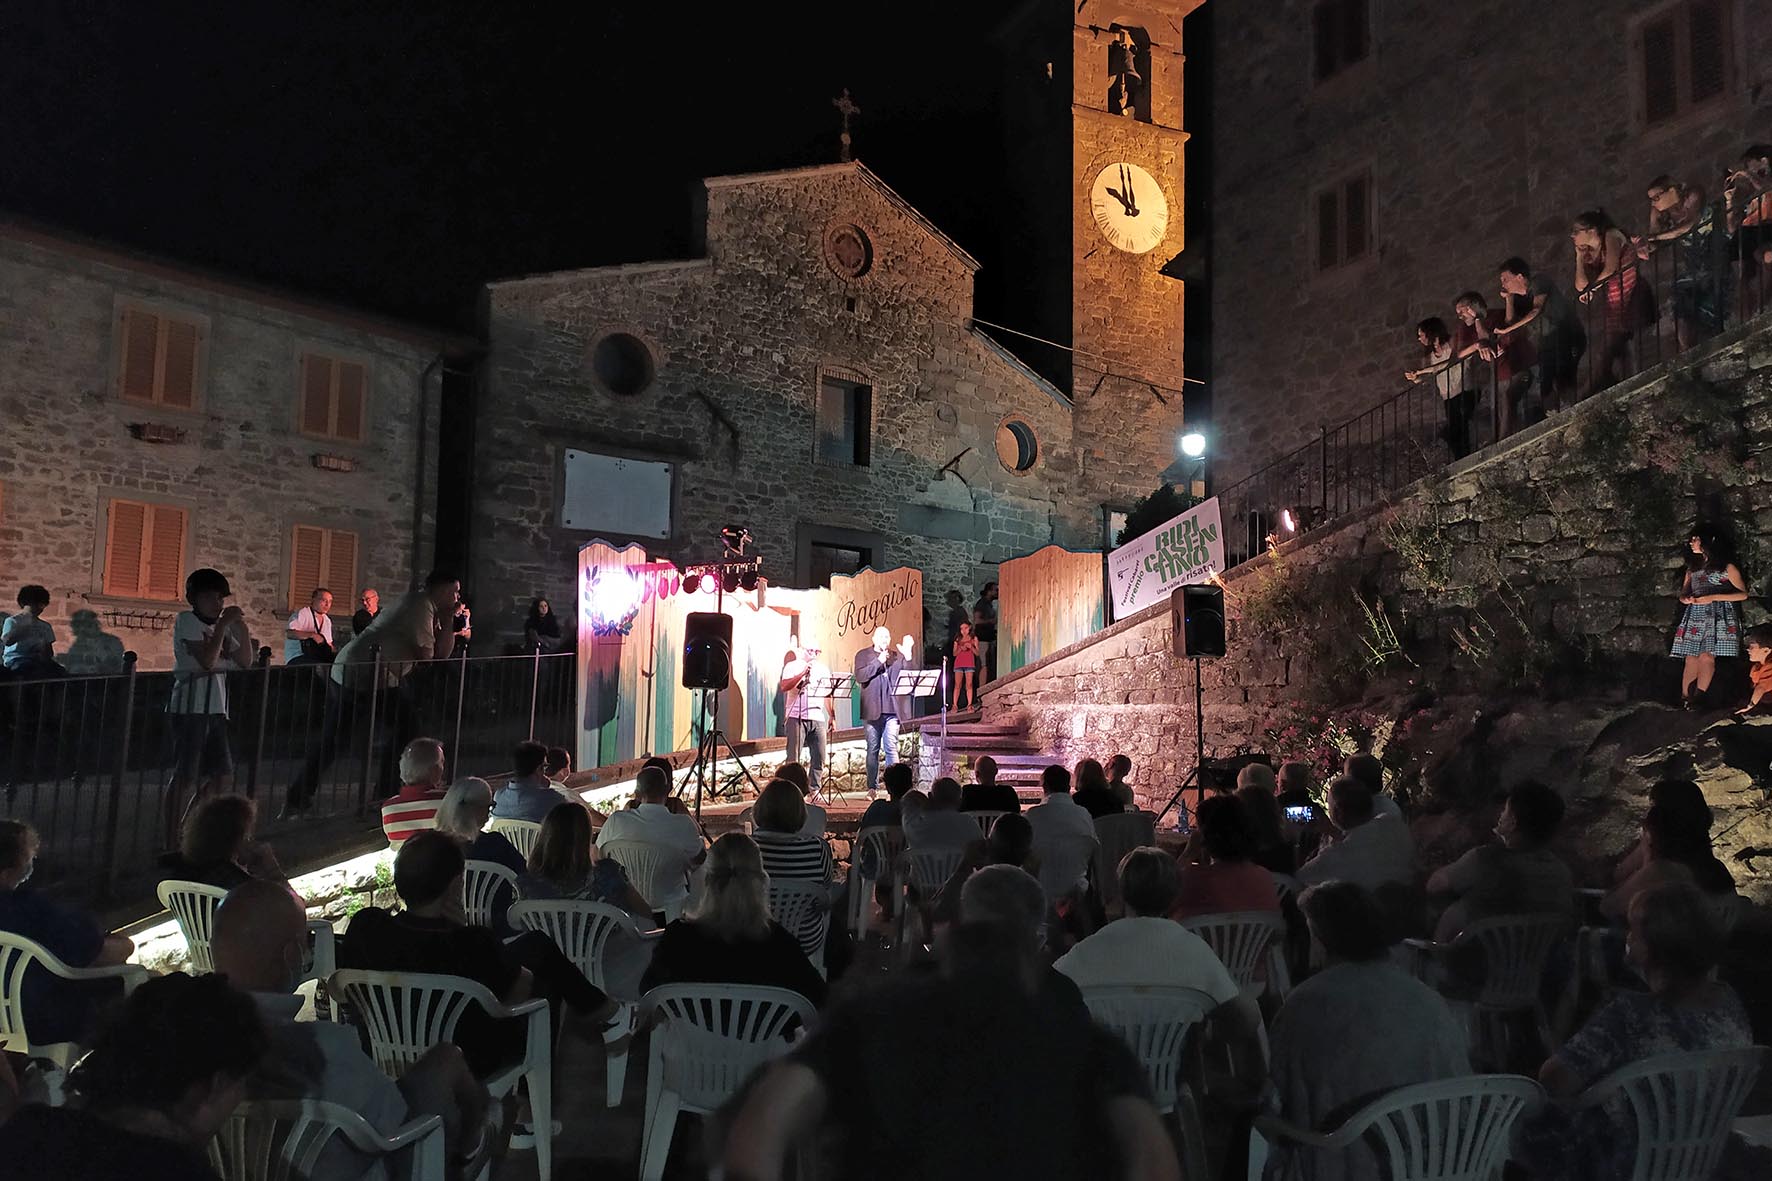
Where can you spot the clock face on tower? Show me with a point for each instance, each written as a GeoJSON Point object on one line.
{"type": "Point", "coordinates": [1129, 208]}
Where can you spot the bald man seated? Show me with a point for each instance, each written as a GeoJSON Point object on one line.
{"type": "Point", "coordinates": [260, 942]}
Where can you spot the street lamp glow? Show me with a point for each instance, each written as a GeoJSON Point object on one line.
{"type": "Point", "coordinates": [1193, 444]}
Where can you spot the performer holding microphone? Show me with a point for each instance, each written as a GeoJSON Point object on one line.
{"type": "Point", "coordinates": [876, 671]}
{"type": "Point", "coordinates": [807, 715]}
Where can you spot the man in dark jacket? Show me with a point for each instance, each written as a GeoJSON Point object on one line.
{"type": "Point", "coordinates": [876, 671]}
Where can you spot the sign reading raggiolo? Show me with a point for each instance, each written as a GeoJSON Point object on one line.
{"type": "Point", "coordinates": [1183, 550]}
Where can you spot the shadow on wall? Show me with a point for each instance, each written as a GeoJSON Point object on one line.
{"type": "Point", "coordinates": [94, 652]}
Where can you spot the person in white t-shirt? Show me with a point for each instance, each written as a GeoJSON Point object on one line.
{"type": "Point", "coordinates": [207, 641]}
{"type": "Point", "coordinates": [1368, 849]}
{"type": "Point", "coordinates": [675, 836]}
{"type": "Point", "coordinates": [807, 716]}
{"type": "Point", "coordinates": [308, 638]}
{"type": "Point", "coordinates": [29, 643]}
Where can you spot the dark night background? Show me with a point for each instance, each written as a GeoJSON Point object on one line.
{"type": "Point", "coordinates": [394, 156]}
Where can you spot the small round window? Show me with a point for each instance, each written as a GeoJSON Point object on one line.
{"type": "Point", "coordinates": [1017, 447]}
{"type": "Point", "coordinates": [622, 364]}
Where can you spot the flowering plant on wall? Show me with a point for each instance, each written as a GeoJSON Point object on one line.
{"type": "Point", "coordinates": [1322, 740]}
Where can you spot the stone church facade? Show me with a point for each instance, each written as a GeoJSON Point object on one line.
{"type": "Point", "coordinates": [816, 375]}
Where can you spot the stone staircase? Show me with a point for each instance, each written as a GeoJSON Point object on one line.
{"type": "Point", "coordinates": [1019, 758]}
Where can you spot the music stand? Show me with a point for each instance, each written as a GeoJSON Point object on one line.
{"type": "Point", "coordinates": [917, 682]}
{"type": "Point", "coordinates": [827, 689]}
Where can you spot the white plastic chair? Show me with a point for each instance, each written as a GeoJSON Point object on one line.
{"type": "Point", "coordinates": [1116, 836]}
{"type": "Point", "coordinates": [521, 833]}
{"type": "Point", "coordinates": [282, 1140]}
{"type": "Point", "coordinates": [1246, 942]}
{"type": "Point", "coordinates": [482, 883]}
{"type": "Point", "coordinates": [658, 874]}
{"type": "Point", "coordinates": [407, 1013]}
{"type": "Point", "coordinates": [804, 909]}
{"type": "Point", "coordinates": [745, 821]}
{"type": "Point", "coordinates": [1064, 861]}
{"type": "Point", "coordinates": [1683, 1106]}
{"type": "Point", "coordinates": [928, 870]}
{"type": "Point", "coordinates": [582, 930]}
{"type": "Point", "coordinates": [1450, 1130]}
{"type": "Point", "coordinates": [1514, 951]}
{"type": "Point", "coordinates": [986, 821]}
{"type": "Point", "coordinates": [881, 845]}
{"type": "Point", "coordinates": [1155, 1022]}
{"type": "Point", "coordinates": [193, 908]}
{"type": "Point", "coordinates": [17, 954]}
{"type": "Point", "coordinates": [707, 1039]}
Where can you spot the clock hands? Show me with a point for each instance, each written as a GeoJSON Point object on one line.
{"type": "Point", "coordinates": [1124, 194]}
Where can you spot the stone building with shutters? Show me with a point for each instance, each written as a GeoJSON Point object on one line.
{"type": "Point", "coordinates": [1373, 160]}
{"type": "Point", "coordinates": [154, 419]}
{"type": "Point", "coordinates": [816, 373]}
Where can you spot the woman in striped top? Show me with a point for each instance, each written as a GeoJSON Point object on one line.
{"type": "Point", "coordinates": [778, 817]}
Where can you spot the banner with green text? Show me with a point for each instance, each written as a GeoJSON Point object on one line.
{"type": "Point", "coordinates": [1183, 550]}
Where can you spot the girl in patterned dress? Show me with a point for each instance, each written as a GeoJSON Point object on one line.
{"type": "Point", "coordinates": [1711, 624]}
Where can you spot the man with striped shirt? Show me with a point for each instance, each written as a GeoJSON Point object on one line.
{"type": "Point", "coordinates": [414, 807]}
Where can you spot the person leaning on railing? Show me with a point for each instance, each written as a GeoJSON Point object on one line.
{"type": "Point", "coordinates": [1747, 204]}
{"type": "Point", "coordinates": [1513, 357]}
{"type": "Point", "coordinates": [1440, 362]}
{"type": "Point", "coordinates": [1606, 269]}
{"type": "Point", "coordinates": [1683, 224]}
{"type": "Point", "coordinates": [1530, 299]}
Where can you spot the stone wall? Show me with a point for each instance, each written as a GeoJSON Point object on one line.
{"type": "Point", "coordinates": [240, 467]}
{"type": "Point", "coordinates": [1486, 126]}
{"type": "Point", "coordinates": [1508, 617]}
{"type": "Point", "coordinates": [740, 340]}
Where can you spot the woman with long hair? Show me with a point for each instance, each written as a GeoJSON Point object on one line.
{"type": "Point", "coordinates": [1606, 269]}
{"type": "Point", "coordinates": [218, 848]}
{"type": "Point", "coordinates": [728, 937]}
{"type": "Point", "coordinates": [564, 864]}
{"type": "Point", "coordinates": [1677, 850]}
{"type": "Point", "coordinates": [541, 630]}
{"type": "Point", "coordinates": [1710, 625]}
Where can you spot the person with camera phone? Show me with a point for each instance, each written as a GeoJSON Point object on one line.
{"type": "Point", "coordinates": [308, 637]}
{"type": "Point", "coordinates": [207, 641]}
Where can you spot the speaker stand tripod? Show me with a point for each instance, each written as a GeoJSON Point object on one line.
{"type": "Point", "coordinates": [707, 751]}
{"type": "Point", "coordinates": [1193, 777]}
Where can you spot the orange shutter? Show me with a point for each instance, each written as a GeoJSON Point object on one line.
{"type": "Point", "coordinates": [141, 349]}
{"type": "Point", "coordinates": [178, 376]}
{"type": "Point", "coordinates": [316, 395]}
{"type": "Point", "coordinates": [123, 548]}
{"type": "Point", "coordinates": [352, 383]}
{"type": "Point", "coordinates": [341, 565]}
{"type": "Point", "coordinates": [163, 572]}
{"type": "Point", "coordinates": [307, 554]}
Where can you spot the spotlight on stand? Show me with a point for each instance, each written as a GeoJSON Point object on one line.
{"type": "Point", "coordinates": [748, 580]}
{"type": "Point", "coordinates": [1193, 444]}
{"type": "Point", "coordinates": [691, 583]}
{"type": "Point", "coordinates": [730, 579]}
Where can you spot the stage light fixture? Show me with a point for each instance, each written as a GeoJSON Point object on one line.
{"type": "Point", "coordinates": [730, 579]}
{"type": "Point", "coordinates": [1288, 522]}
{"type": "Point", "coordinates": [748, 580]}
{"type": "Point", "coordinates": [1193, 444]}
{"type": "Point", "coordinates": [691, 583]}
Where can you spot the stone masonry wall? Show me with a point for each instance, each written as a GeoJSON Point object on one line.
{"type": "Point", "coordinates": [1486, 126]}
{"type": "Point", "coordinates": [740, 339]}
{"type": "Point", "coordinates": [242, 470]}
{"type": "Point", "coordinates": [1544, 570]}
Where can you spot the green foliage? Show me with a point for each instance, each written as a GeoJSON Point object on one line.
{"type": "Point", "coordinates": [1162, 505]}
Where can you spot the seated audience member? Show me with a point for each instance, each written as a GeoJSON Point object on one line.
{"type": "Point", "coordinates": [1757, 642]}
{"type": "Point", "coordinates": [729, 937]}
{"type": "Point", "coordinates": [564, 865]}
{"type": "Point", "coordinates": [882, 1070]}
{"type": "Point", "coordinates": [1273, 850]}
{"type": "Point", "coordinates": [1674, 943]}
{"type": "Point", "coordinates": [161, 1079]}
{"type": "Point", "coordinates": [27, 644]}
{"type": "Point", "coordinates": [1092, 793]}
{"type": "Point", "coordinates": [795, 773]}
{"type": "Point", "coordinates": [898, 780]}
{"type": "Point", "coordinates": [1218, 873]}
{"type": "Point", "coordinates": [1057, 820]}
{"type": "Point", "coordinates": [1295, 784]}
{"type": "Point", "coordinates": [778, 821]}
{"type": "Point", "coordinates": [1678, 851]}
{"type": "Point", "coordinates": [941, 825]}
{"type": "Point", "coordinates": [663, 766]}
{"type": "Point", "coordinates": [1684, 802]}
{"type": "Point", "coordinates": [414, 807]}
{"type": "Point", "coordinates": [528, 794]}
{"type": "Point", "coordinates": [463, 813]}
{"type": "Point", "coordinates": [557, 766]}
{"type": "Point", "coordinates": [429, 935]}
{"type": "Point", "coordinates": [1359, 1027]}
{"type": "Point", "coordinates": [217, 846]}
{"type": "Point", "coordinates": [651, 823]}
{"type": "Point", "coordinates": [985, 794]}
{"type": "Point", "coordinates": [1011, 843]}
{"type": "Point", "coordinates": [56, 1010]}
{"type": "Point", "coordinates": [1517, 874]}
{"type": "Point", "coordinates": [1366, 849]}
{"type": "Point", "coordinates": [1368, 772]}
{"type": "Point", "coordinates": [260, 939]}
{"type": "Point", "coordinates": [1118, 768]}
{"type": "Point", "coordinates": [1259, 776]}
{"type": "Point", "coordinates": [1006, 896]}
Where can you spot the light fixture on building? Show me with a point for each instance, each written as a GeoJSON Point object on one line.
{"type": "Point", "coordinates": [1288, 522]}
{"type": "Point", "coordinates": [1193, 445]}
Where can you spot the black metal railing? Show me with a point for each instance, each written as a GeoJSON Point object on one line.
{"type": "Point", "coordinates": [94, 762]}
{"type": "Point", "coordinates": [1671, 294]}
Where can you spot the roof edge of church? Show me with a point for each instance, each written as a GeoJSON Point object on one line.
{"type": "Point", "coordinates": [865, 173]}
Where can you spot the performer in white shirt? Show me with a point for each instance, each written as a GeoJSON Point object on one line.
{"type": "Point", "coordinates": [807, 715]}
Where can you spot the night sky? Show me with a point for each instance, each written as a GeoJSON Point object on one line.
{"type": "Point", "coordinates": [393, 156]}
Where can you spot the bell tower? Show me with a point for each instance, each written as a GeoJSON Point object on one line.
{"type": "Point", "coordinates": [1126, 228]}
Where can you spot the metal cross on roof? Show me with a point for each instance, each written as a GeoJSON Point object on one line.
{"type": "Point", "coordinates": [847, 106]}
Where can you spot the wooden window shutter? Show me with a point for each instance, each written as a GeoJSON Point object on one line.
{"type": "Point", "coordinates": [141, 351]}
{"type": "Point", "coordinates": [1353, 31]}
{"type": "Point", "coordinates": [1328, 230]}
{"type": "Point", "coordinates": [307, 555]}
{"type": "Point", "coordinates": [316, 394]}
{"type": "Point", "coordinates": [163, 573]}
{"type": "Point", "coordinates": [352, 379]}
{"type": "Point", "coordinates": [123, 549]}
{"type": "Point", "coordinates": [341, 566]}
{"type": "Point", "coordinates": [1326, 35]}
{"type": "Point", "coordinates": [1661, 88]}
{"type": "Point", "coordinates": [178, 370]}
{"type": "Point", "coordinates": [1707, 49]}
{"type": "Point", "coordinates": [1355, 208]}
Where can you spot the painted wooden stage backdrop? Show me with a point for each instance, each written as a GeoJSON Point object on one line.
{"type": "Point", "coordinates": [1046, 600]}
